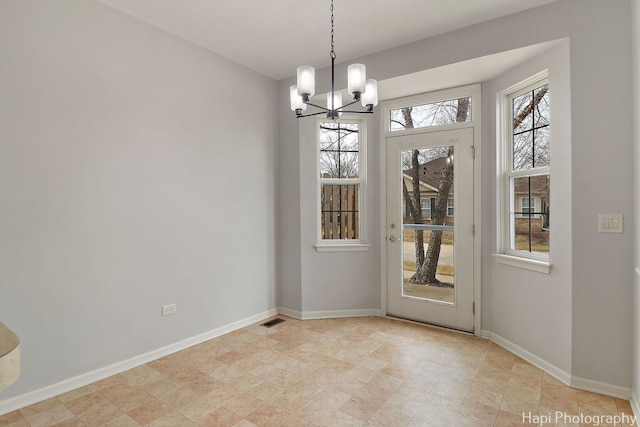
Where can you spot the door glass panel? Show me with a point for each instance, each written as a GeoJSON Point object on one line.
{"type": "Point", "coordinates": [428, 219]}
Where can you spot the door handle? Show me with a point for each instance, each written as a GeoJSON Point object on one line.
{"type": "Point", "coordinates": [393, 238]}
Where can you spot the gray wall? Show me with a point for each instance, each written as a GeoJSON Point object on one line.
{"type": "Point", "coordinates": [530, 309]}
{"type": "Point", "coordinates": [592, 273]}
{"type": "Point", "coordinates": [128, 180]}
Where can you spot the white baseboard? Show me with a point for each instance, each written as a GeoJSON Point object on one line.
{"type": "Point", "coordinates": [549, 368]}
{"type": "Point", "coordinates": [601, 388]}
{"type": "Point", "coordinates": [291, 313]}
{"type": "Point", "coordinates": [634, 404]}
{"type": "Point", "coordinates": [329, 314]}
{"type": "Point", "coordinates": [35, 396]}
{"type": "Point", "coordinates": [559, 374]}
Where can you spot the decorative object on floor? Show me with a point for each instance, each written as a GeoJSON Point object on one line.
{"type": "Point", "coordinates": [363, 90]}
{"type": "Point", "coordinates": [9, 357]}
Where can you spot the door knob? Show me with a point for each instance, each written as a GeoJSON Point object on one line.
{"type": "Point", "coordinates": [393, 238]}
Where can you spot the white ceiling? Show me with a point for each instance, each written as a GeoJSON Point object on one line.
{"type": "Point", "coordinates": [274, 37]}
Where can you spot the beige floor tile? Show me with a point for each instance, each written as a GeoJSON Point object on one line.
{"type": "Point", "coordinates": [293, 421]}
{"type": "Point", "coordinates": [477, 410]}
{"type": "Point", "coordinates": [266, 391]}
{"type": "Point", "coordinates": [360, 408]}
{"type": "Point", "coordinates": [267, 416]}
{"type": "Point", "coordinates": [517, 406]}
{"type": "Point", "coordinates": [121, 421]}
{"type": "Point", "coordinates": [149, 412]}
{"type": "Point", "coordinates": [467, 421]}
{"type": "Point", "coordinates": [85, 402]}
{"type": "Point", "coordinates": [244, 404]}
{"type": "Point", "coordinates": [51, 416]}
{"type": "Point", "coordinates": [432, 416]}
{"type": "Point", "coordinates": [375, 394]}
{"type": "Point", "coordinates": [172, 419]}
{"type": "Point", "coordinates": [39, 407]}
{"type": "Point", "coordinates": [507, 419]}
{"type": "Point", "coordinates": [221, 417]}
{"type": "Point", "coordinates": [198, 408]}
{"type": "Point", "coordinates": [13, 419]}
{"type": "Point", "coordinates": [179, 397]}
{"type": "Point", "coordinates": [387, 416]}
{"type": "Point", "coordinates": [333, 372]}
{"type": "Point", "coordinates": [314, 412]}
{"type": "Point", "coordinates": [100, 414]}
{"type": "Point", "coordinates": [339, 418]}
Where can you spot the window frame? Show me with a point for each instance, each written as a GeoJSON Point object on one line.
{"type": "Point", "coordinates": [426, 210]}
{"type": "Point", "coordinates": [505, 253]}
{"type": "Point", "coordinates": [450, 207]}
{"type": "Point", "coordinates": [526, 211]}
{"type": "Point", "coordinates": [343, 245]}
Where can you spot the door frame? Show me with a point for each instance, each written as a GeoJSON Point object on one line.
{"type": "Point", "coordinates": [474, 91]}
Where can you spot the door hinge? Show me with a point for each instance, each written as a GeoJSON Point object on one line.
{"type": "Point", "coordinates": [473, 151]}
{"type": "Point", "coordinates": [473, 230]}
{"type": "Point", "coordinates": [473, 307]}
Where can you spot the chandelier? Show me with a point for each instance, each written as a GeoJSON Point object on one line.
{"type": "Point", "coordinates": [363, 90]}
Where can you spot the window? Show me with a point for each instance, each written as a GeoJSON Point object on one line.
{"type": "Point", "coordinates": [524, 149]}
{"type": "Point", "coordinates": [527, 206]}
{"type": "Point", "coordinates": [450, 207]}
{"type": "Point", "coordinates": [425, 204]}
{"type": "Point", "coordinates": [341, 180]}
{"type": "Point", "coordinates": [432, 114]}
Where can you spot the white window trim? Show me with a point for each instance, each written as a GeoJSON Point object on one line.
{"type": "Point", "coordinates": [344, 245]}
{"type": "Point", "coordinates": [504, 254]}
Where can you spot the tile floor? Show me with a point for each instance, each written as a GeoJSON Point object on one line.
{"type": "Point", "coordinates": [338, 372]}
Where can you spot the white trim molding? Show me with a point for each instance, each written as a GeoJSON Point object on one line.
{"type": "Point", "coordinates": [634, 404]}
{"type": "Point", "coordinates": [521, 262]}
{"type": "Point", "coordinates": [559, 374]}
{"type": "Point", "coordinates": [329, 314]}
{"type": "Point", "coordinates": [44, 393]}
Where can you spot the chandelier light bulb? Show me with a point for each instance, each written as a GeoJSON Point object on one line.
{"type": "Point", "coordinates": [296, 100]}
{"type": "Point", "coordinates": [306, 81]}
{"type": "Point", "coordinates": [370, 95]}
{"type": "Point", "coordinates": [356, 79]}
{"type": "Point", "coordinates": [334, 102]}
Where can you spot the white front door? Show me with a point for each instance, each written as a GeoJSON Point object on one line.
{"type": "Point", "coordinates": [437, 210]}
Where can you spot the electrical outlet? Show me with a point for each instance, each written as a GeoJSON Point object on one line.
{"type": "Point", "coordinates": [168, 309]}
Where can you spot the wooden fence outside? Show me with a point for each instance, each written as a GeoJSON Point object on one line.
{"type": "Point", "coordinates": [340, 216]}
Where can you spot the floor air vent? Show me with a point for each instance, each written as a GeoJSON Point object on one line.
{"type": "Point", "coordinates": [272, 322]}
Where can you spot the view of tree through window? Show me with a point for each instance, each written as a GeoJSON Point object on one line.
{"type": "Point", "coordinates": [529, 178]}
{"type": "Point", "coordinates": [432, 114]}
{"type": "Point", "coordinates": [430, 168]}
{"type": "Point", "coordinates": [340, 183]}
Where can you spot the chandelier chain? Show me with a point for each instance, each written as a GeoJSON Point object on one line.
{"type": "Point", "coordinates": [333, 52]}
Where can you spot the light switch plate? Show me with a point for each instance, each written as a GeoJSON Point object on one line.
{"type": "Point", "coordinates": [610, 223]}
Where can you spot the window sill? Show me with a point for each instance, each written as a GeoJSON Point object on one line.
{"type": "Point", "coordinates": [526, 263]}
{"type": "Point", "coordinates": [342, 247]}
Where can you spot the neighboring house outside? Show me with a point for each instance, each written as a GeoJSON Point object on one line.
{"type": "Point", "coordinates": [537, 203]}
{"type": "Point", "coordinates": [430, 174]}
